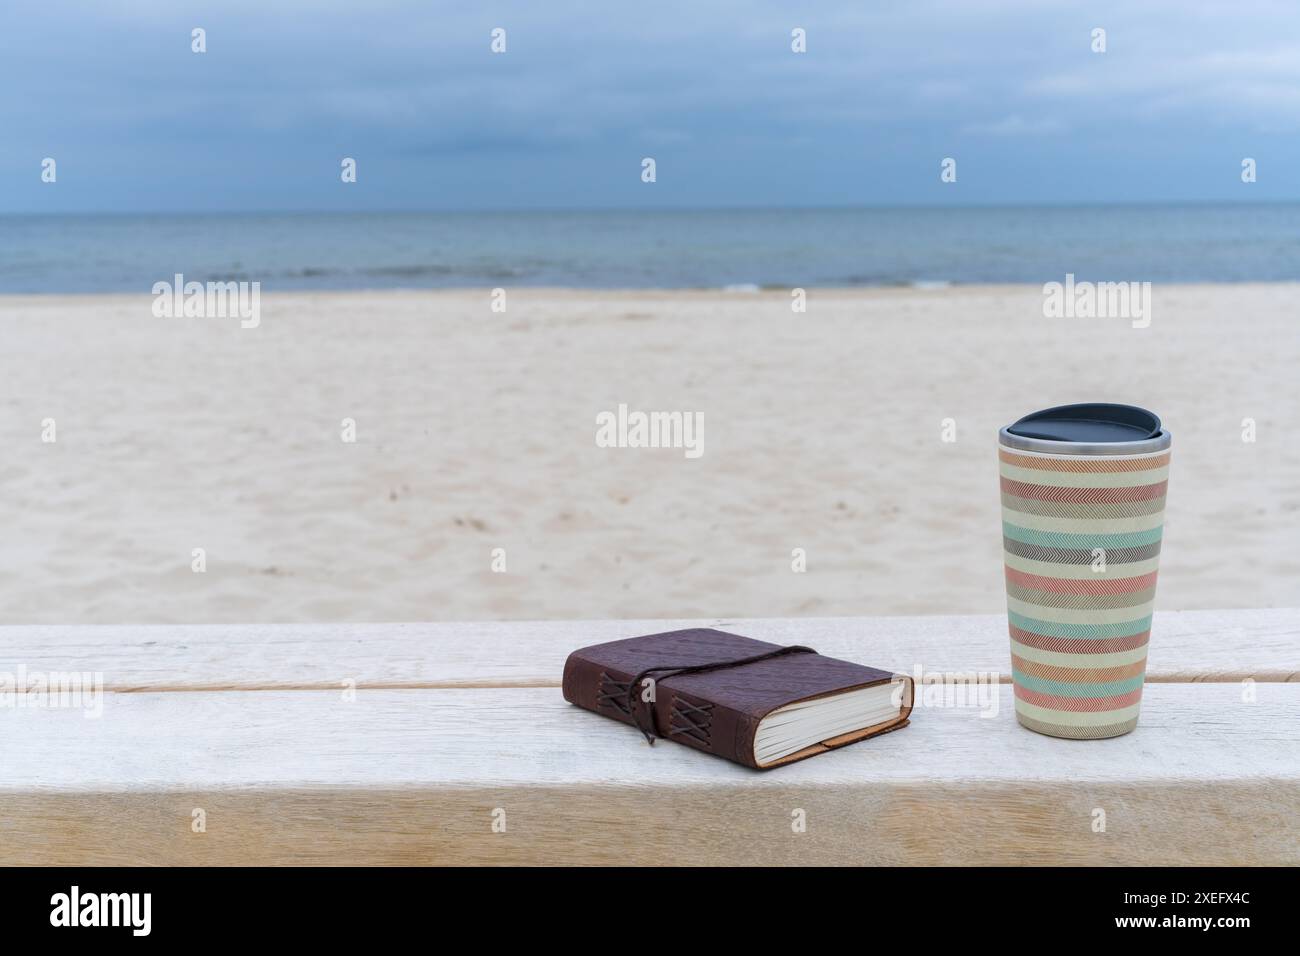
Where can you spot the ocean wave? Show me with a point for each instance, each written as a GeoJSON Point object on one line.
{"type": "Point", "coordinates": [890, 282]}
{"type": "Point", "coordinates": [409, 271]}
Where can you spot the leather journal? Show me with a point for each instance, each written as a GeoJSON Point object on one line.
{"type": "Point", "coordinates": [759, 704]}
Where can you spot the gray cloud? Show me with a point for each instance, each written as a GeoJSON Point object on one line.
{"type": "Point", "coordinates": [411, 90]}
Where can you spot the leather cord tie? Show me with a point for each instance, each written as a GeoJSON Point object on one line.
{"type": "Point", "coordinates": [634, 686]}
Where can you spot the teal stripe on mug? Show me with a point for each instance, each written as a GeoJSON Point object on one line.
{"type": "Point", "coordinates": [1077, 688]}
{"type": "Point", "coordinates": [1059, 539]}
{"type": "Point", "coordinates": [1086, 631]}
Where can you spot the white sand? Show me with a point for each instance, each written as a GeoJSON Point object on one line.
{"type": "Point", "coordinates": [476, 431]}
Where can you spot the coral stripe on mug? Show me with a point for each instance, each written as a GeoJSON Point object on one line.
{"type": "Point", "coordinates": [1078, 704]}
{"type": "Point", "coordinates": [1085, 465]}
{"type": "Point", "coordinates": [1083, 585]}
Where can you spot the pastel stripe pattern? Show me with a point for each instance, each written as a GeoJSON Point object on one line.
{"type": "Point", "coordinates": [1081, 543]}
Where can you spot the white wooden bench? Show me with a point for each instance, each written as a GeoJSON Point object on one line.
{"type": "Point", "coordinates": [455, 726]}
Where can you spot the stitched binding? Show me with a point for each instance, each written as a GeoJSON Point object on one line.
{"type": "Point", "coordinates": [687, 719]}
{"type": "Point", "coordinates": [612, 693]}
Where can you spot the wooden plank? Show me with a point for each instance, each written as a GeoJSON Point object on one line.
{"type": "Point", "coordinates": [1186, 646]}
{"type": "Point", "coordinates": [413, 776]}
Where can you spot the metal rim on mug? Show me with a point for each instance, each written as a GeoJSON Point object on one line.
{"type": "Point", "coordinates": [1119, 449]}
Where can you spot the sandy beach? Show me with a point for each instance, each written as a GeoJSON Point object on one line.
{"type": "Point", "coordinates": [475, 430]}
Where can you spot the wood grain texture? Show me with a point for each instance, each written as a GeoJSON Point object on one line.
{"type": "Point", "coordinates": [1185, 646]}
{"type": "Point", "coordinates": [412, 776]}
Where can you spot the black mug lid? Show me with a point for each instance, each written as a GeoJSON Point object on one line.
{"type": "Point", "coordinates": [1093, 422]}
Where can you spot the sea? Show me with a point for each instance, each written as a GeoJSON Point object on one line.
{"type": "Point", "coordinates": [739, 249]}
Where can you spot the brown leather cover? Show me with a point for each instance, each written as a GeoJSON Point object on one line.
{"type": "Point", "coordinates": [718, 711]}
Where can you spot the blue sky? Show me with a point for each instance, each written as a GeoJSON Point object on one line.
{"type": "Point", "coordinates": [709, 88]}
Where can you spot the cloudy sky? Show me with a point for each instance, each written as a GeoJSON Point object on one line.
{"type": "Point", "coordinates": [709, 88]}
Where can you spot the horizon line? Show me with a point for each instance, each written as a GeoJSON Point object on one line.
{"type": "Point", "coordinates": [466, 210]}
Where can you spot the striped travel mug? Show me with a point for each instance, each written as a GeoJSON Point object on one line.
{"type": "Point", "coordinates": [1083, 500]}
